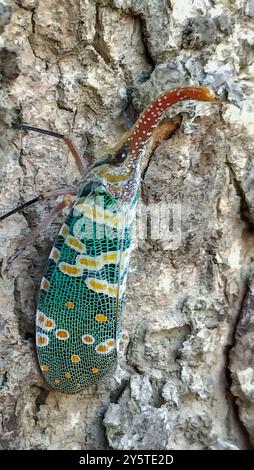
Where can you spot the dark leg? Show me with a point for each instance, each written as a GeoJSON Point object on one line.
{"type": "Point", "coordinates": [66, 202]}
{"type": "Point", "coordinates": [40, 197]}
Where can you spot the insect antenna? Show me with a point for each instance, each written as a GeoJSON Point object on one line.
{"type": "Point", "coordinates": [21, 207]}
{"type": "Point", "coordinates": [27, 127]}
{"type": "Point", "coordinates": [69, 190]}
{"type": "Point", "coordinates": [66, 139]}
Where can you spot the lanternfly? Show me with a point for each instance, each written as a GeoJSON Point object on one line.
{"type": "Point", "coordinates": [82, 291]}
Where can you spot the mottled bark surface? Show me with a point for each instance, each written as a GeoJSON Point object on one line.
{"type": "Point", "coordinates": [186, 367]}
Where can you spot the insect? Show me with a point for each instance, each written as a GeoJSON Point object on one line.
{"type": "Point", "coordinates": [82, 291]}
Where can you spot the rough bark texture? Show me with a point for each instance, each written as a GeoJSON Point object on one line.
{"type": "Point", "coordinates": [186, 368]}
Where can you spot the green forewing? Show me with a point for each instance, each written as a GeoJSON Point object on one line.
{"type": "Point", "coordinates": [82, 293]}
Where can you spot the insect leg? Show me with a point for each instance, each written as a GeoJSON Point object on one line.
{"type": "Point", "coordinates": [75, 153]}
{"type": "Point", "coordinates": [40, 197]}
{"type": "Point", "coordinates": [66, 202]}
{"type": "Point", "coordinates": [72, 147]}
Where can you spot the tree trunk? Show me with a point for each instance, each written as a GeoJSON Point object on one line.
{"type": "Point", "coordinates": [185, 378]}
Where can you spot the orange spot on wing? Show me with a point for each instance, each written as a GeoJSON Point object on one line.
{"type": "Point", "coordinates": [101, 318]}
{"type": "Point", "coordinates": [101, 348]}
{"type": "Point", "coordinates": [88, 339]}
{"type": "Point", "coordinates": [75, 358]}
{"type": "Point", "coordinates": [95, 370]}
{"type": "Point", "coordinates": [44, 284]}
{"type": "Point", "coordinates": [62, 334]}
{"type": "Point", "coordinates": [42, 340]}
{"type": "Point", "coordinates": [45, 368]}
{"type": "Point", "coordinates": [69, 304]}
{"type": "Point", "coordinates": [49, 323]}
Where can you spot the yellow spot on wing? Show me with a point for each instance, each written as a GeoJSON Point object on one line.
{"type": "Point", "coordinates": [68, 375]}
{"type": "Point", "coordinates": [103, 287]}
{"type": "Point", "coordinates": [110, 257]}
{"type": "Point", "coordinates": [89, 262]}
{"type": "Point", "coordinates": [113, 220]}
{"type": "Point", "coordinates": [97, 262]}
{"type": "Point", "coordinates": [111, 343]}
{"type": "Point", "coordinates": [106, 347]}
{"type": "Point", "coordinates": [75, 243]}
{"type": "Point", "coordinates": [101, 348]}
{"type": "Point", "coordinates": [45, 368]}
{"type": "Point", "coordinates": [54, 254]}
{"type": "Point", "coordinates": [98, 214]}
{"type": "Point", "coordinates": [70, 269]}
{"type": "Point", "coordinates": [64, 230]}
{"type": "Point", "coordinates": [44, 284]}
